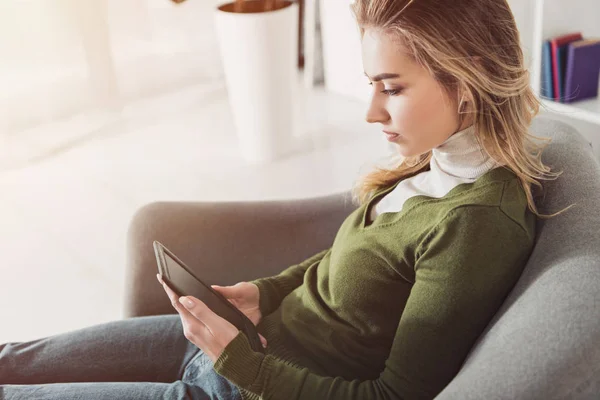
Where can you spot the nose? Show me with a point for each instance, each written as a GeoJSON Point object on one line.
{"type": "Point", "coordinates": [376, 113]}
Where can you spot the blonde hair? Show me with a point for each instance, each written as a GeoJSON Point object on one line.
{"type": "Point", "coordinates": [470, 47]}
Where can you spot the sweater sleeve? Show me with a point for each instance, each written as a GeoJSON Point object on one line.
{"type": "Point", "coordinates": [274, 288]}
{"type": "Point", "coordinates": [465, 268]}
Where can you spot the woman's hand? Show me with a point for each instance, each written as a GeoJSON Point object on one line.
{"type": "Point", "coordinates": [201, 326]}
{"type": "Point", "coordinates": [243, 295]}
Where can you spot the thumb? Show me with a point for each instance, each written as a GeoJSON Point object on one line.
{"type": "Point", "coordinates": [225, 290]}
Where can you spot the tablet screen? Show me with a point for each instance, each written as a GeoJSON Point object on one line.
{"type": "Point", "coordinates": [187, 284]}
{"type": "Point", "coordinates": [176, 272]}
{"type": "Point", "coordinates": [184, 283]}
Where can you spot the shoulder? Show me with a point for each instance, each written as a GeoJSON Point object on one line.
{"type": "Point", "coordinates": [504, 195]}
{"type": "Point", "coordinates": [476, 232]}
{"type": "Point", "coordinates": [477, 216]}
{"type": "Point", "coordinates": [483, 224]}
{"type": "Point", "coordinates": [514, 204]}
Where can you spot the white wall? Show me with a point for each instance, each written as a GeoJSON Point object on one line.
{"type": "Point", "coordinates": [341, 45]}
{"type": "Point", "coordinates": [341, 50]}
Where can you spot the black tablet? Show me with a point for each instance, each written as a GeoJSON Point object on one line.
{"type": "Point", "coordinates": [183, 282]}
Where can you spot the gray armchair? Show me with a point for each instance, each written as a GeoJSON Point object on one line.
{"type": "Point", "coordinates": [543, 343]}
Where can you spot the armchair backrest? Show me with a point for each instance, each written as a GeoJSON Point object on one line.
{"type": "Point", "coordinates": [544, 342]}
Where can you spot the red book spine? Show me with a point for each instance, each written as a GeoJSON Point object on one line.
{"type": "Point", "coordinates": [554, 43]}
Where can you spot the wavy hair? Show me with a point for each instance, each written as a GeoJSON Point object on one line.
{"type": "Point", "coordinates": [470, 47]}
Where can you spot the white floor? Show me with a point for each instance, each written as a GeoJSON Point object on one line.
{"type": "Point", "coordinates": [65, 214]}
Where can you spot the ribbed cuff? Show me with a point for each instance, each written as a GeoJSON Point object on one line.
{"type": "Point", "coordinates": [272, 290]}
{"type": "Point", "coordinates": [265, 298]}
{"type": "Point", "coordinates": [240, 364]}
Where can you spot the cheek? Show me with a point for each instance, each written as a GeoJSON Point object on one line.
{"type": "Point", "coordinates": [411, 115]}
{"type": "Point", "coordinates": [423, 114]}
{"type": "Point", "coordinates": [404, 112]}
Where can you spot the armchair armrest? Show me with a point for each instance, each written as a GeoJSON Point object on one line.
{"type": "Point", "coordinates": [226, 242]}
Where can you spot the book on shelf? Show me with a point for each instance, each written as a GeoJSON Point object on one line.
{"type": "Point", "coordinates": [582, 75]}
{"type": "Point", "coordinates": [547, 87]}
{"type": "Point", "coordinates": [558, 45]}
{"type": "Point", "coordinates": [570, 69]}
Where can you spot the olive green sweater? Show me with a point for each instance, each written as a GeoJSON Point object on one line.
{"type": "Point", "coordinates": [392, 308]}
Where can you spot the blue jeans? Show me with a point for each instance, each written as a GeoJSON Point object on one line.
{"type": "Point", "coordinates": [136, 358]}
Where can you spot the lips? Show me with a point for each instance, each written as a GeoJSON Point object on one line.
{"type": "Point", "coordinates": [391, 136]}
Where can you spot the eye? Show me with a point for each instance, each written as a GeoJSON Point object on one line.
{"type": "Point", "coordinates": [391, 92]}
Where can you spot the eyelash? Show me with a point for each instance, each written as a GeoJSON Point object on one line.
{"type": "Point", "coordinates": [391, 92]}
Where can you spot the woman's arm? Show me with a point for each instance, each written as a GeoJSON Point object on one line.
{"type": "Point", "coordinates": [273, 289]}
{"type": "Point", "coordinates": [465, 268]}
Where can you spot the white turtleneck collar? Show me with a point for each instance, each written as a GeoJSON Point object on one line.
{"type": "Point", "coordinates": [460, 159]}
{"type": "Point", "coordinates": [461, 156]}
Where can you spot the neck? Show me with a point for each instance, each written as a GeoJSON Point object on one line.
{"type": "Point", "coordinates": [461, 156]}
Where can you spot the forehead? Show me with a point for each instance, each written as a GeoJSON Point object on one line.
{"type": "Point", "coordinates": [383, 53]}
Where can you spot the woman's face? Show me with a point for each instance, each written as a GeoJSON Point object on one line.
{"type": "Point", "coordinates": [412, 103]}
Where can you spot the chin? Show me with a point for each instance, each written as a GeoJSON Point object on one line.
{"type": "Point", "coordinates": [407, 152]}
{"type": "Point", "coordinates": [404, 151]}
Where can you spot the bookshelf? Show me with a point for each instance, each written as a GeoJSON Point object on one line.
{"type": "Point", "coordinates": [540, 20]}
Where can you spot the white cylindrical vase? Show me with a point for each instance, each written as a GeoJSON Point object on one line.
{"type": "Point", "coordinates": [259, 54]}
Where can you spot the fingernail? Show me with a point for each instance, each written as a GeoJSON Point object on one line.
{"type": "Point", "coordinates": [187, 303]}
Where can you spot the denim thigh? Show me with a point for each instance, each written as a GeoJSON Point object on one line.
{"type": "Point", "coordinates": [141, 357]}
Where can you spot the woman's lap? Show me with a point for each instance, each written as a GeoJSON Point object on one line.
{"type": "Point", "coordinates": [146, 356]}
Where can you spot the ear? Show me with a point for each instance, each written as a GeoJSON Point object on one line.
{"type": "Point", "coordinates": [467, 98]}
{"type": "Point", "coordinates": [463, 97]}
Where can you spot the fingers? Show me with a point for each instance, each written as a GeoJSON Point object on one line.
{"type": "Point", "coordinates": [201, 326]}
{"type": "Point", "coordinates": [212, 327]}
{"type": "Point", "coordinates": [201, 311]}
{"type": "Point", "coordinates": [197, 309]}
{"type": "Point", "coordinates": [230, 293]}
{"type": "Point", "coordinates": [173, 297]}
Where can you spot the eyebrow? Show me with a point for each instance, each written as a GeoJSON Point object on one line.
{"type": "Point", "coordinates": [385, 75]}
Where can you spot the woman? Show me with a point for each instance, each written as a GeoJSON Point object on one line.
{"type": "Point", "coordinates": [415, 273]}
